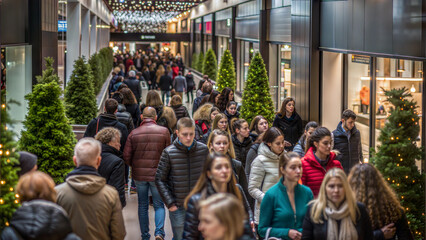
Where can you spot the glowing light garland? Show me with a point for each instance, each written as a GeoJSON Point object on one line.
{"type": "Point", "coordinates": [144, 21]}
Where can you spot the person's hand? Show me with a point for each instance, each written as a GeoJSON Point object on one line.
{"type": "Point", "coordinates": [173, 208]}
{"type": "Point", "coordinates": [287, 143]}
{"type": "Point", "coordinates": [253, 227]}
{"type": "Point", "coordinates": [389, 231]}
{"type": "Point", "coordinates": [294, 234]}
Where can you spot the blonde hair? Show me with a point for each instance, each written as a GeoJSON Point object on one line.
{"type": "Point", "coordinates": [218, 132]}
{"type": "Point", "coordinates": [203, 112]}
{"type": "Point", "coordinates": [176, 100]}
{"type": "Point", "coordinates": [107, 135]}
{"type": "Point", "coordinates": [319, 204]}
{"type": "Point", "coordinates": [229, 211]}
{"type": "Point", "coordinates": [36, 185]}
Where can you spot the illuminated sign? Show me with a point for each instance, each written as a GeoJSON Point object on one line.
{"type": "Point", "coordinates": [148, 37]}
{"type": "Point", "coordinates": [62, 26]}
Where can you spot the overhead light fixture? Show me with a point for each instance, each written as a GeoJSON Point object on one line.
{"type": "Point", "coordinates": [400, 64]}
{"type": "Point", "coordinates": [394, 79]}
{"type": "Point", "coordinates": [413, 89]}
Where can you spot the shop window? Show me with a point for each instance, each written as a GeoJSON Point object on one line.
{"type": "Point", "coordinates": [223, 46]}
{"type": "Point", "coordinates": [284, 72]}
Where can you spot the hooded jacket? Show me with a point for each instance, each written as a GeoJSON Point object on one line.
{"type": "Point", "coordinates": [93, 206]}
{"type": "Point", "coordinates": [263, 175]}
{"type": "Point", "coordinates": [41, 220]}
{"type": "Point", "coordinates": [178, 171]}
{"type": "Point", "coordinates": [241, 148]}
{"type": "Point", "coordinates": [106, 120]}
{"type": "Point", "coordinates": [313, 173]}
{"type": "Point", "coordinates": [112, 169]}
{"type": "Point", "coordinates": [125, 117]}
{"type": "Point", "coordinates": [349, 146]}
{"type": "Point", "coordinates": [202, 120]}
{"type": "Point", "coordinates": [143, 149]}
{"type": "Point", "coordinates": [291, 127]}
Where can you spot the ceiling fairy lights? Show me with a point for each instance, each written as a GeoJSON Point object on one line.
{"type": "Point", "coordinates": [139, 5]}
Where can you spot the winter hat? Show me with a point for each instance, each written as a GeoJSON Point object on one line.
{"type": "Point", "coordinates": [27, 161]}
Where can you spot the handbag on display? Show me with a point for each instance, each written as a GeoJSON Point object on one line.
{"type": "Point", "coordinates": [270, 238]}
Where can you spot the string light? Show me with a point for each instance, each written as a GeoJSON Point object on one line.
{"type": "Point", "coordinates": [2, 182]}
{"type": "Point", "coordinates": [1, 201]}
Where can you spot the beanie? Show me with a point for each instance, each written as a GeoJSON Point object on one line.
{"type": "Point", "coordinates": [27, 161]}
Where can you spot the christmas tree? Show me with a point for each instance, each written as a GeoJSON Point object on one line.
{"type": "Point", "coordinates": [9, 201]}
{"type": "Point", "coordinates": [95, 65]}
{"type": "Point", "coordinates": [200, 61]}
{"type": "Point", "coordinates": [226, 77]}
{"type": "Point", "coordinates": [210, 65]}
{"type": "Point", "coordinates": [48, 133]}
{"type": "Point", "coordinates": [395, 157]}
{"type": "Point", "coordinates": [256, 97]}
{"type": "Point", "coordinates": [194, 63]}
{"type": "Point", "coordinates": [80, 100]}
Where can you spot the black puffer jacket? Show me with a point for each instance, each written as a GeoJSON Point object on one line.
{"type": "Point", "coordinates": [349, 146]}
{"type": "Point", "coordinates": [291, 127]}
{"type": "Point", "coordinates": [179, 170]}
{"type": "Point", "coordinates": [39, 219]}
{"type": "Point", "coordinates": [190, 231]}
{"type": "Point", "coordinates": [180, 111]}
{"type": "Point", "coordinates": [125, 117]}
{"type": "Point", "coordinates": [251, 155]}
{"type": "Point", "coordinates": [241, 148]}
{"type": "Point", "coordinates": [112, 169]}
{"type": "Point", "coordinates": [107, 120]}
{"type": "Point", "coordinates": [230, 117]}
{"type": "Point", "coordinates": [241, 178]}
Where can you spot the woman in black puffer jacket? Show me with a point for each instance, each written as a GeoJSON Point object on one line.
{"type": "Point", "coordinates": [289, 122]}
{"type": "Point", "coordinates": [178, 108]}
{"type": "Point", "coordinates": [241, 139]}
{"type": "Point", "coordinates": [216, 177]}
{"type": "Point", "coordinates": [38, 217]}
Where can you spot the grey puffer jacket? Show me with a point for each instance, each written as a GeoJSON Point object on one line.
{"type": "Point", "coordinates": [263, 175]}
{"type": "Point", "coordinates": [178, 171]}
{"type": "Point", "coordinates": [125, 117]}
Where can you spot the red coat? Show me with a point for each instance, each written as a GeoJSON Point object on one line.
{"type": "Point", "coordinates": [314, 173]}
{"type": "Point", "coordinates": [175, 71]}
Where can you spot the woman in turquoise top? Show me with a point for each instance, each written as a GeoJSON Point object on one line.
{"type": "Point", "coordinates": [284, 205]}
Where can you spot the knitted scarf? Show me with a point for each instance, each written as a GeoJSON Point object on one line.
{"type": "Point", "coordinates": [347, 229]}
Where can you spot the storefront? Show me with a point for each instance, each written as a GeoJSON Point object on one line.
{"type": "Point", "coordinates": [348, 83]}
{"type": "Point", "coordinates": [223, 31]}
{"type": "Point", "coordinates": [207, 32]}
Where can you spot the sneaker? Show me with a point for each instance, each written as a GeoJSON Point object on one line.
{"type": "Point", "coordinates": [132, 190]}
{"type": "Point", "coordinates": [159, 237]}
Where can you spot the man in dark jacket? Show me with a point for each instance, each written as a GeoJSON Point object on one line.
{"type": "Point", "coordinates": [178, 171]}
{"type": "Point", "coordinates": [347, 140]}
{"type": "Point", "coordinates": [134, 85]}
{"type": "Point", "coordinates": [112, 164]}
{"type": "Point", "coordinates": [107, 119]}
{"type": "Point", "coordinates": [165, 85]}
{"type": "Point", "coordinates": [206, 89]}
{"type": "Point", "coordinates": [122, 115]}
{"type": "Point", "coordinates": [190, 84]}
{"type": "Point", "coordinates": [142, 152]}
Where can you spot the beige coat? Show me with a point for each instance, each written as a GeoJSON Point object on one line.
{"type": "Point", "coordinates": [93, 207]}
{"type": "Point", "coordinates": [263, 175]}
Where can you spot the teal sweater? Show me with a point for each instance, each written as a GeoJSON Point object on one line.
{"type": "Point", "coordinates": [276, 210]}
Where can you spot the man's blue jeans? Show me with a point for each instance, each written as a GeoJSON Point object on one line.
{"type": "Point", "coordinates": [143, 206]}
{"type": "Point", "coordinates": [177, 219]}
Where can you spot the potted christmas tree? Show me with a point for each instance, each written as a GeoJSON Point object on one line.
{"type": "Point", "coordinates": [226, 76]}
{"type": "Point", "coordinates": [210, 65]}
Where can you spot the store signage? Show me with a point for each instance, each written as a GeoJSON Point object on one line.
{"type": "Point", "coordinates": [62, 26]}
{"type": "Point", "coordinates": [360, 59]}
{"type": "Point", "coordinates": [208, 27]}
{"type": "Point", "coordinates": [150, 37]}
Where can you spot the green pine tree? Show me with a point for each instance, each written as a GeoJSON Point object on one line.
{"type": "Point", "coordinates": [80, 99]}
{"type": "Point", "coordinates": [48, 133]}
{"type": "Point", "coordinates": [96, 66]}
{"type": "Point", "coordinates": [9, 201]}
{"type": "Point", "coordinates": [256, 97]}
{"type": "Point", "coordinates": [210, 65]}
{"type": "Point", "coordinates": [200, 61]}
{"type": "Point", "coordinates": [194, 63]}
{"type": "Point", "coordinates": [226, 76]}
{"type": "Point", "coordinates": [397, 154]}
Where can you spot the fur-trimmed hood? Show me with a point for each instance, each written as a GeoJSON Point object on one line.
{"type": "Point", "coordinates": [203, 112]}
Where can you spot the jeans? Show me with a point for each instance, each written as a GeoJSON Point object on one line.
{"type": "Point", "coordinates": [167, 93]}
{"type": "Point", "coordinates": [126, 173]}
{"type": "Point", "coordinates": [177, 219]}
{"type": "Point", "coordinates": [143, 188]}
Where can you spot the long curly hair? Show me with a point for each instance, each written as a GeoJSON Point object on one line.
{"type": "Point", "coordinates": [224, 98]}
{"type": "Point", "coordinates": [371, 189]}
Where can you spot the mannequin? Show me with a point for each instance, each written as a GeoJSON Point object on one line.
{"type": "Point", "coordinates": [364, 95]}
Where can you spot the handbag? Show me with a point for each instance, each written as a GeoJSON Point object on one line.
{"type": "Point", "coordinates": [270, 238]}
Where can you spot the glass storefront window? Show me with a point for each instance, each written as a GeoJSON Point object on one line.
{"type": "Point", "coordinates": [223, 43]}
{"type": "Point", "coordinates": [358, 95]}
{"type": "Point", "coordinates": [247, 52]}
{"type": "Point", "coordinates": [284, 72]}
{"type": "Point", "coordinates": [397, 73]}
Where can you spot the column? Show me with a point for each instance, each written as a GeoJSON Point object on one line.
{"type": "Point", "coordinates": [93, 35]}
{"type": "Point", "coordinates": [263, 31]}
{"type": "Point", "coordinates": [233, 46]}
{"type": "Point", "coordinates": [73, 36]}
{"type": "Point", "coordinates": [85, 33]}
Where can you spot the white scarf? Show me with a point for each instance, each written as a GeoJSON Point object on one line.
{"type": "Point", "coordinates": [347, 229]}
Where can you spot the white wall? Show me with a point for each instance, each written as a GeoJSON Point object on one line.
{"type": "Point", "coordinates": [331, 89]}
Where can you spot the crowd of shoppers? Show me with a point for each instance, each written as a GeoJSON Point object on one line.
{"type": "Point", "coordinates": [218, 175]}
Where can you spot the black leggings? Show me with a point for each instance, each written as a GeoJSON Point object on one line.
{"type": "Point", "coordinates": [190, 92]}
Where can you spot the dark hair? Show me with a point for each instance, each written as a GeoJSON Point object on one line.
{"type": "Point", "coordinates": [316, 136]}
{"type": "Point", "coordinates": [272, 134]}
{"type": "Point", "coordinates": [118, 96]}
{"type": "Point", "coordinates": [214, 109]}
{"type": "Point", "coordinates": [207, 88]}
{"type": "Point", "coordinates": [284, 104]}
{"type": "Point", "coordinates": [128, 96]}
{"type": "Point", "coordinates": [205, 99]}
{"type": "Point", "coordinates": [302, 139]}
{"type": "Point", "coordinates": [200, 84]}
{"type": "Point", "coordinates": [185, 122]}
{"type": "Point", "coordinates": [237, 123]}
{"type": "Point", "coordinates": [123, 85]}
{"type": "Point", "coordinates": [119, 79]}
{"type": "Point", "coordinates": [348, 114]}
{"type": "Point", "coordinates": [175, 101]}
{"type": "Point", "coordinates": [255, 121]}
{"type": "Point", "coordinates": [230, 103]}
{"type": "Point", "coordinates": [213, 95]}
{"type": "Point", "coordinates": [284, 159]}
{"type": "Point", "coordinates": [224, 98]}
{"type": "Point", "coordinates": [111, 105]}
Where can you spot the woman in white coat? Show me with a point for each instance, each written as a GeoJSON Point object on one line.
{"type": "Point", "coordinates": [264, 169]}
